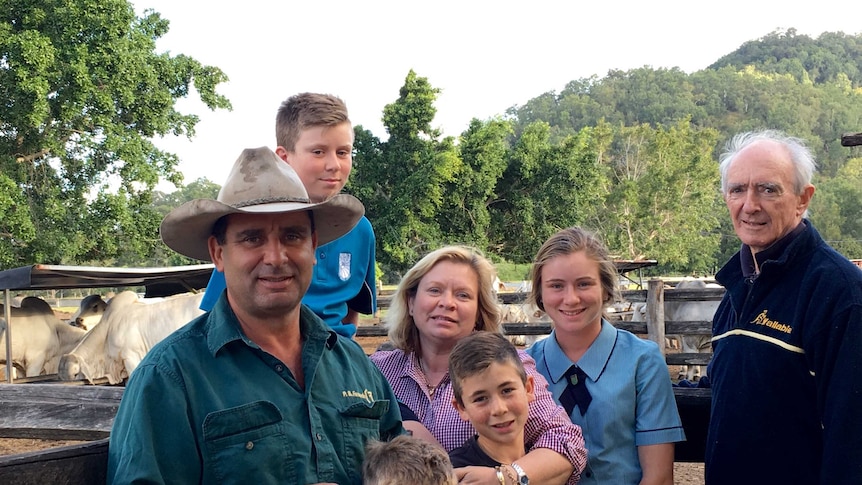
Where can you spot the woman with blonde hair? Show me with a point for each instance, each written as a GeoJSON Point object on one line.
{"type": "Point", "coordinates": [444, 297]}
{"type": "Point", "coordinates": [613, 384]}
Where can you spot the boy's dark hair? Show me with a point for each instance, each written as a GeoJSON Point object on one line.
{"type": "Point", "coordinates": [306, 110]}
{"type": "Point", "coordinates": [406, 460]}
{"type": "Point", "coordinates": [475, 353]}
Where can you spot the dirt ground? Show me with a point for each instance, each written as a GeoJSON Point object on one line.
{"type": "Point", "coordinates": [688, 474]}
{"type": "Point", "coordinates": [12, 446]}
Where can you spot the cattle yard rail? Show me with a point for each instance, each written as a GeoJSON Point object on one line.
{"type": "Point", "coordinates": [85, 412]}
{"type": "Point", "coordinates": [58, 412]}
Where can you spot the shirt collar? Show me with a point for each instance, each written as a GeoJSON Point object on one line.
{"type": "Point", "coordinates": [593, 361]}
{"type": "Point", "coordinates": [774, 251]}
{"type": "Point", "coordinates": [223, 327]}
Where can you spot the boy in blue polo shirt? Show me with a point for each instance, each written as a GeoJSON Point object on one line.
{"type": "Point", "coordinates": [315, 137]}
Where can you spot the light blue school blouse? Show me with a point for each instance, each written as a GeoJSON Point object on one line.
{"type": "Point", "coordinates": [633, 402]}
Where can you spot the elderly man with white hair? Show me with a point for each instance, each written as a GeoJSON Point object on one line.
{"type": "Point", "coordinates": [787, 336]}
{"type": "Point", "coordinates": [259, 390]}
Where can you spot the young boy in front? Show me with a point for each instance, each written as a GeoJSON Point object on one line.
{"type": "Point", "coordinates": [408, 460]}
{"type": "Point", "coordinates": [493, 392]}
{"type": "Point", "coordinates": [315, 137]}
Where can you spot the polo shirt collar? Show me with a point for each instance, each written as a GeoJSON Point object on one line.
{"type": "Point", "coordinates": [223, 327]}
{"type": "Point", "coordinates": [593, 362]}
{"type": "Point", "coordinates": [773, 252]}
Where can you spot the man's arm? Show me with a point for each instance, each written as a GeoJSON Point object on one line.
{"type": "Point", "coordinates": [151, 438]}
{"type": "Point", "coordinates": [351, 318]}
{"type": "Point", "coordinates": [839, 388]}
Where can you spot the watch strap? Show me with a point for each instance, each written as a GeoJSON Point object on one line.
{"type": "Point", "coordinates": [522, 475]}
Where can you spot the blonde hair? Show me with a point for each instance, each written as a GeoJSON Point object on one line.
{"type": "Point", "coordinates": [568, 241]}
{"type": "Point", "coordinates": [401, 327]}
{"type": "Point", "coordinates": [406, 460]}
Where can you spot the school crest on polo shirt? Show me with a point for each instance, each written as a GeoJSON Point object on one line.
{"type": "Point", "coordinates": [344, 266]}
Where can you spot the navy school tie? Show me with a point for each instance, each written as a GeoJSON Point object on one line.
{"type": "Point", "coordinates": [576, 392]}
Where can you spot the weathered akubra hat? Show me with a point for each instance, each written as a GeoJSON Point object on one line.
{"type": "Point", "coordinates": [259, 182]}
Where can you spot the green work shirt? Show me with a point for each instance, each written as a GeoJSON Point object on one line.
{"type": "Point", "coordinates": [208, 405]}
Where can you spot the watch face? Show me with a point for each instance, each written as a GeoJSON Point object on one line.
{"type": "Point", "coordinates": [524, 480]}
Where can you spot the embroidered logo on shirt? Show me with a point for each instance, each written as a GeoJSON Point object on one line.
{"type": "Point", "coordinates": [366, 394]}
{"type": "Point", "coordinates": [762, 319]}
{"type": "Point", "coordinates": [344, 266]}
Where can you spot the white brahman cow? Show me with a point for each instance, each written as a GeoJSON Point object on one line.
{"type": "Point", "coordinates": [89, 312]}
{"type": "Point", "coordinates": [129, 329]}
{"type": "Point", "coordinates": [39, 338]}
{"type": "Point", "coordinates": [523, 313]}
{"type": "Point", "coordinates": [686, 311]}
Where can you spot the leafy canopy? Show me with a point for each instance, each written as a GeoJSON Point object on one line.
{"type": "Point", "coordinates": [84, 93]}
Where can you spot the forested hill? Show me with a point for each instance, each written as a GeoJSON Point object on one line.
{"type": "Point", "coordinates": [807, 87]}
{"type": "Point", "coordinates": [820, 60]}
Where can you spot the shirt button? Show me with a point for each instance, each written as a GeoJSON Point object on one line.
{"type": "Point", "coordinates": [319, 438]}
{"type": "Point", "coordinates": [322, 255]}
{"type": "Point", "coordinates": [588, 474]}
{"type": "Point", "coordinates": [249, 445]}
{"type": "Point", "coordinates": [279, 368]}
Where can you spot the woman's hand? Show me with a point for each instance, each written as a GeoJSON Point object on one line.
{"type": "Point", "coordinates": [477, 474]}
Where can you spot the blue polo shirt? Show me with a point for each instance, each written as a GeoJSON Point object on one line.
{"type": "Point", "coordinates": [343, 278]}
{"type": "Point", "coordinates": [633, 403]}
{"type": "Point", "coordinates": [208, 405]}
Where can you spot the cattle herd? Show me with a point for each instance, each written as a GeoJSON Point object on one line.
{"type": "Point", "coordinates": [103, 340]}
{"type": "Point", "coordinates": [106, 340]}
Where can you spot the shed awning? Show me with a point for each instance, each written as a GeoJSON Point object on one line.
{"type": "Point", "coordinates": [626, 265]}
{"type": "Point", "coordinates": [158, 282]}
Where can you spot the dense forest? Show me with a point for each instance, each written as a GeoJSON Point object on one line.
{"type": "Point", "coordinates": [632, 155]}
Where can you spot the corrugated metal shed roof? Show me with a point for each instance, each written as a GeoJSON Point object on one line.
{"type": "Point", "coordinates": [158, 281]}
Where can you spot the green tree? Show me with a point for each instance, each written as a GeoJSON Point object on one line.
{"type": "Point", "coordinates": [403, 181]}
{"type": "Point", "coordinates": [836, 209]}
{"type": "Point", "coordinates": [664, 201]}
{"type": "Point", "coordinates": [84, 93]}
{"type": "Point", "coordinates": [818, 60]}
{"type": "Point", "coordinates": [163, 203]}
{"type": "Point", "coordinates": [464, 215]}
{"type": "Point", "coordinates": [546, 186]}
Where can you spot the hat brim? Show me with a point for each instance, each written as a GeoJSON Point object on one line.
{"type": "Point", "coordinates": [187, 228]}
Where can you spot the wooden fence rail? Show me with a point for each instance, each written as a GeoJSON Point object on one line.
{"type": "Point", "coordinates": [81, 412]}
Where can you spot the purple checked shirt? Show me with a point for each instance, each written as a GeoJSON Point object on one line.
{"type": "Point", "coordinates": [548, 425]}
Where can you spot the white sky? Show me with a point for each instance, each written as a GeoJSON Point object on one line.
{"type": "Point", "coordinates": [485, 55]}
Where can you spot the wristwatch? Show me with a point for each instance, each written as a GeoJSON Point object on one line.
{"type": "Point", "coordinates": [523, 479]}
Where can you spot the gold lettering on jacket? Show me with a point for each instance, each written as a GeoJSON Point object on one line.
{"type": "Point", "coordinates": [762, 319]}
{"type": "Point", "coordinates": [366, 394]}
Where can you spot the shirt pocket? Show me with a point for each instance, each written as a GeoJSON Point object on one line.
{"type": "Point", "coordinates": [360, 422]}
{"type": "Point", "coordinates": [246, 444]}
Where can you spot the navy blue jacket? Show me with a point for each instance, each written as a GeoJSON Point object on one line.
{"type": "Point", "coordinates": [786, 373]}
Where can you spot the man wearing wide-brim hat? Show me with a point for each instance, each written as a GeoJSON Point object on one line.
{"type": "Point", "coordinates": [258, 390]}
